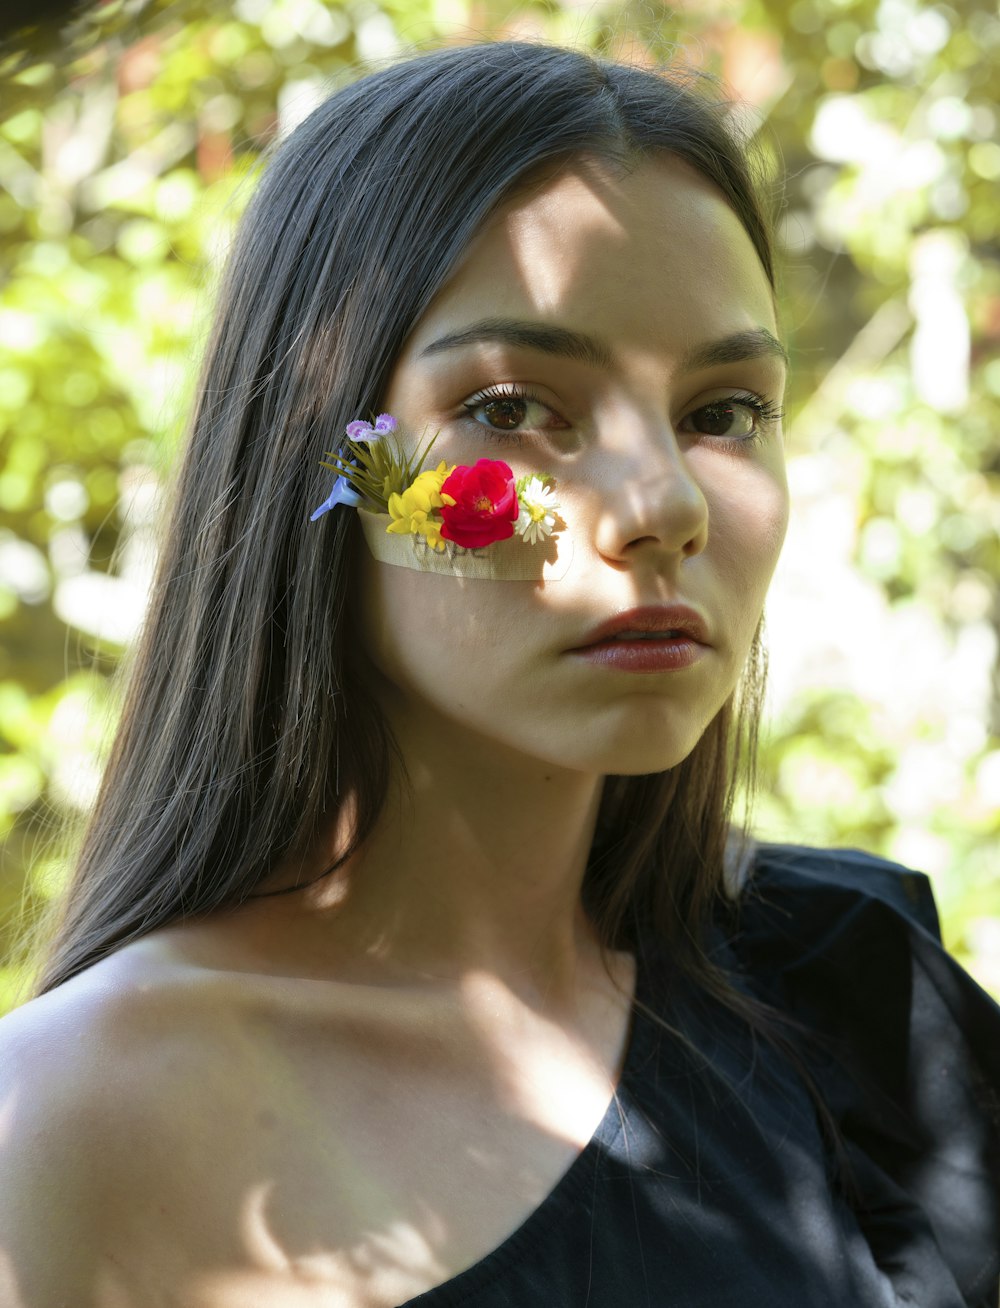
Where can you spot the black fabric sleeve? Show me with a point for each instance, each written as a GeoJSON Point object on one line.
{"type": "Point", "coordinates": [850, 945]}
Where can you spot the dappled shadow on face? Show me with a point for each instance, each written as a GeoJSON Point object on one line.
{"type": "Point", "coordinates": [650, 266]}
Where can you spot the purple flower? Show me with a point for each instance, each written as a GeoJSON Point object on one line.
{"type": "Point", "coordinates": [359, 430]}
{"type": "Point", "coordinates": [341, 494]}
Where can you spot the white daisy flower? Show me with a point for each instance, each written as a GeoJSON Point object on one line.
{"type": "Point", "coordinates": [537, 506]}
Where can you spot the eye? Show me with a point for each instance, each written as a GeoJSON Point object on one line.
{"type": "Point", "coordinates": [508, 413]}
{"type": "Point", "coordinates": [742, 419]}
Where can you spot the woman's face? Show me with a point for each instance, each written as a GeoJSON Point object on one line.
{"type": "Point", "coordinates": [665, 500]}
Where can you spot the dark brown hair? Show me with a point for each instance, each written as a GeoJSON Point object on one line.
{"type": "Point", "coordinates": [246, 723]}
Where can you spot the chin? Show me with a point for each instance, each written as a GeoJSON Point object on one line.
{"type": "Point", "coordinates": [641, 763]}
{"type": "Point", "coordinates": [643, 753]}
{"type": "Point", "coordinates": [655, 740]}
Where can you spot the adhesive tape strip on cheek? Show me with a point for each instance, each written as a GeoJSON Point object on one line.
{"type": "Point", "coordinates": [504, 560]}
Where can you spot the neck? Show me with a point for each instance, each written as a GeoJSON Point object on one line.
{"type": "Point", "coordinates": [476, 867]}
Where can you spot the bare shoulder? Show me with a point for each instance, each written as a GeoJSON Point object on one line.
{"type": "Point", "coordinates": [58, 1050]}
{"type": "Point", "coordinates": [88, 1074]}
{"type": "Point", "coordinates": [166, 1136]}
{"type": "Point", "coordinates": [103, 1030]}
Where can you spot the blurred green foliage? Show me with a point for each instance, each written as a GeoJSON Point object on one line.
{"type": "Point", "coordinates": [127, 151]}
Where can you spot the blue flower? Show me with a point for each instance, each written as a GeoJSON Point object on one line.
{"type": "Point", "coordinates": [341, 494]}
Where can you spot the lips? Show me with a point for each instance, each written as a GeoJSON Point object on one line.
{"type": "Point", "coordinates": [653, 619]}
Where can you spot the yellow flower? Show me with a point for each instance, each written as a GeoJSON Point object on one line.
{"type": "Point", "coordinates": [412, 511]}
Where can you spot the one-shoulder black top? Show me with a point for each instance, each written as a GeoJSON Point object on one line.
{"type": "Point", "coordinates": [710, 1183]}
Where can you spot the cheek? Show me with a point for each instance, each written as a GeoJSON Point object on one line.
{"type": "Point", "coordinates": [749, 518]}
{"type": "Point", "coordinates": [425, 632]}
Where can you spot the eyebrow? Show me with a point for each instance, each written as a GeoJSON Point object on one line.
{"type": "Point", "coordinates": [755, 343]}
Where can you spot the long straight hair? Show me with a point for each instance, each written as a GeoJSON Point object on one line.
{"type": "Point", "coordinates": [246, 725]}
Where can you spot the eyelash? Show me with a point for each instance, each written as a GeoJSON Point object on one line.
{"type": "Point", "coordinates": [766, 411]}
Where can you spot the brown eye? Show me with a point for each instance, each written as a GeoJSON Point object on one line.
{"type": "Point", "coordinates": [723, 419]}
{"type": "Point", "coordinates": [736, 422]}
{"type": "Point", "coordinates": [505, 414]}
{"type": "Point", "coordinates": [508, 413]}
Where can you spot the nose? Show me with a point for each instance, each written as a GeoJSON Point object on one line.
{"type": "Point", "coordinates": [650, 503]}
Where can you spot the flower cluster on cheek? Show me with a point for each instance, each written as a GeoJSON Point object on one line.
{"type": "Point", "coordinates": [469, 506]}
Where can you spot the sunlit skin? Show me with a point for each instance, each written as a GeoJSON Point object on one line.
{"type": "Point", "coordinates": [507, 736]}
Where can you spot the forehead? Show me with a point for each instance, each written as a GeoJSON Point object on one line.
{"type": "Point", "coordinates": [654, 255]}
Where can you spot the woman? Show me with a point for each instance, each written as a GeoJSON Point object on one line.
{"type": "Point", "coordinates": [411, 957]}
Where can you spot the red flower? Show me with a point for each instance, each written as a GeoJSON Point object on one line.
{"type": "Point", "coordinates": [485, 507]}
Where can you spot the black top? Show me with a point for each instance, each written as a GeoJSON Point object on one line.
{"type": "Point", "coordinates": [711, 1186]}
